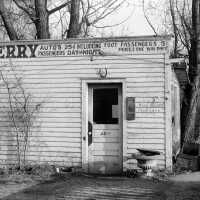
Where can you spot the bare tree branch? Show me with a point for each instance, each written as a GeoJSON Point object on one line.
{"type": "Point", "coordinates": [59, 7]}
{"type": "Point", "coordinates": [8, 22]}
{"type": "Point", "coordinates": [117, 24]}
{"type": "Point", "coordinates": [147, 19]}
{"type": "Point", "coordinates": [31, 14]}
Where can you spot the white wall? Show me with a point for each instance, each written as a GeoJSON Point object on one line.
{"type": "Point", "coordinates": [57, 82]}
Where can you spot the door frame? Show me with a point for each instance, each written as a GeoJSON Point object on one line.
{"type": "Point", "coordinates": [84, 136]}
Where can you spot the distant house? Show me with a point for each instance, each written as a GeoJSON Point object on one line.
{"type": "Point", "coordinates": [103, 99]}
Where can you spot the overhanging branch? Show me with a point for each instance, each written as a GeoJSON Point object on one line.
{"type": "Point", "coordinates": [31, 15]}
{"type": "Point", "coordinates": [147, 19]}
{"type": "Point", "coordinates": [58, 7]}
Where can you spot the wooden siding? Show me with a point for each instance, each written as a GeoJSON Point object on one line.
{"type": "Point", "coordinates": [57, 82]}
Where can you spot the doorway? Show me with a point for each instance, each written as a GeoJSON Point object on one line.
{"type": "Point", "coordinates": [104, 128]}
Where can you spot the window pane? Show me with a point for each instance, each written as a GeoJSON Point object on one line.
{"type": "Point", "coordinates": [105, 103]}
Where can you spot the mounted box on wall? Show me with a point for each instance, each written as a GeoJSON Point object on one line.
{"type": "Point", "coordinates": [130, 108]}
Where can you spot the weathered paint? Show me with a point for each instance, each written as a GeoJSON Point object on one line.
{"type": "Point", "coordinates": [58, 72]}
{"type": "Point", "coordinates": [82, 48]}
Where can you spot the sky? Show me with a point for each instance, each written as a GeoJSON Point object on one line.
{"type": "Point", "coordinates": [135, 23]}
{"type": "Point", "coordinates": [132, 16]}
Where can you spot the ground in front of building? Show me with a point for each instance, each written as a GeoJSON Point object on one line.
{"type": "Point", "coordinates": [79, 187]}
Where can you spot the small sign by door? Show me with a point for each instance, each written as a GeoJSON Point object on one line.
{"type": "Point", "coordinates": [130, 108]}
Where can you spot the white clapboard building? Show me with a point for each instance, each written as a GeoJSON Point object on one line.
{"type": "Point", "coordinates": [102, 99]}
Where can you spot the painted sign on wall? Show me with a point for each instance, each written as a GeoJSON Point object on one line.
{"type": "Point", "coordinates": [55, 49]}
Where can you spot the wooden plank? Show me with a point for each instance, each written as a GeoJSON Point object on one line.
{"type": "Point", "coordinates": [68, 103]}
{"type": "Point", "coordinates": [80, 69]}
{"type": "Point", "coordinates": [147, 84]}
{"type": "Point", "coordinates": [146, 90]}
{"type": "Point", "coordinates": [48, 129]}
{"type": "Point", "coordinates": [107, 147]}
{"type": "Point", "coordinates": [106, 126]}
{"type": "Point", "coordinates": [132, 147]}
{"type": "Point", "coordinates": [55, 148]}
{"type": "Point", "coordinates": [107, 133]}
{"type": "Point", "coordinates": [48, 101]}
{"type": "Point", "coordinates": [146, 141]}
{"type": "Point", "coordinates": [66, 89]}
{"type": "Point", "coordinates": [146, 130]}
{"type": "Point", "coordinates": [47, 120]}
{"type": "Point", "coordinates": [135, 136]}
{"type": "Point", "coordinates": [168, 115]}
{"type": "Point", "coordinates": [141, 120]}
{"type": "Point", "coordinates": [46, 144]}
{"type": "Point", "coordinates": [62, 140]}
{"type": "Point", "coordinates": [87, 62]}
{"type": "Point", "coordinates": [50, 106]}
{"type": "Point", "coordinates": [43, 153]}
{"type": "Point", "coordinates": [50, 125]}
{"type": "Point", "coordinates": [92, 74]}
{"type": "Point", "coordinates": [143, 79]}
{"type": "Point", "coordinates": [70, 132]}
{"type": "Point", "coordinates": [12, 160]}
{"type": "Point", "coordinates": [146, 126]}
{"type": "Point", "coordinates": [40, 97]}
{"type": "Point", "coordinates": [106, 159]}
{"type": "Point", "coordinates": [52, 85]}
{"type": "Point", "coordinates": [149, 115]}
{"type": "Point", "coordinates": [150, 94]}
{"type": "Point", "coordinates": [154, 58]}
{"type": "Point", "coordinates": [6, 162]}
{"type": "Point", "coordinates": [65, 159]}
{"type": "Point", "coordinates": [105, 153]}
{"type": "Point", "coordinates": [62, 117]}
{"type": "Point", "coordinates": [106, 139]}
{"type": "Point", "coordinates": [55, 81]}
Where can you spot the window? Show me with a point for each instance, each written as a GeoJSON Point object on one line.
{"type": "Point", "coordinates": [105, 105]}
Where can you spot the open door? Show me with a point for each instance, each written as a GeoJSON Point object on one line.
{"type": "Point", "coordinates": [105, 128]}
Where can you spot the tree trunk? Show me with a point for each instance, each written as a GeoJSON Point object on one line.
{"type": "Point", "coordinates": [8, 23]}
{"type": "Point", "coordinates": [192, 127]}
{"type": "Point", "coordinates": [74, 26]}
{"type": "Point", "coordinates": [175, 53]}
{"type": "Point", "coordinates": [42, 19]}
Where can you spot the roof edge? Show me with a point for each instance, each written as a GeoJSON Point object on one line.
{"type": "Point", "coordinates": [96, 39]}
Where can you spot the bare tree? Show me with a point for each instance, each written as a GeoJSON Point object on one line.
{"type": "Point", "coordinates": [81, 15]}
{"type": "Point", "coordinates": [183, 20]}
{"type": "Point", "coordinates": [192, 129]}
{"type": "Point", "coordinates": [21, 111]}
